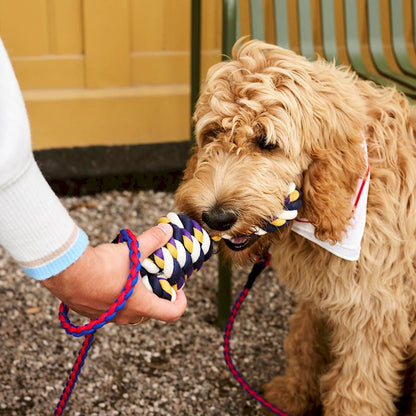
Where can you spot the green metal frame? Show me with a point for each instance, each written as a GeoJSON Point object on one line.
{"type": "Point", "coordinates": [355, 54]}
{"type": "Point", "coordinates": [398, 39]}
{"type": "Point", "coordinates": [329, 40]}
{"type": "Point", "coordinates": [281, 18]}
{"type": "Point", "coordinates": [229, 36]}
{"type": "Point", "coordinates": [231, 31]}
{"type": "Point", "coordinates": [414, 20]}
{"type": "Point", "coordinates": [377, 49]}
{"type": "Point", "coordinates": [307, 48]}
{"type": "Point", "coordinates": [257, 19]}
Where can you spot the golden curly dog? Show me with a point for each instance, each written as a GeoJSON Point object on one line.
{"type": "Point", "coordinates": [268, 118]}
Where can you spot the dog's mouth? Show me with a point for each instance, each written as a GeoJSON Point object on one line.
{"type": "Point", "coordinates": [239, 243]}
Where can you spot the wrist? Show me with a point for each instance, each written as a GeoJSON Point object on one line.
{"type": "Point", "coordinates": [64, 284]}
{"type": "Point", "coordinates": [91, 284]}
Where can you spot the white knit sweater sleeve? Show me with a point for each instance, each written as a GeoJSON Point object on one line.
{"type": "Point", "coordinates": [35, 228]}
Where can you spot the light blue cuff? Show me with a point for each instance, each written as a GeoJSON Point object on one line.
{"type": "Point", "coordinates": [61, 263]}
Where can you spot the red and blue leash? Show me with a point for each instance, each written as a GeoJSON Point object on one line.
{"type": "Point", "coordinates": [261, 263]}
{"type": "Point", "coordinates": [89, 329]}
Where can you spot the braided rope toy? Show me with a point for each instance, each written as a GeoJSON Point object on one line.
{"type": "Point", "coordinates": [290, 211]}
{"type": "Point", "coordinates": [168, 268]}
{"type": "Point", "coordinates": [164, 272]}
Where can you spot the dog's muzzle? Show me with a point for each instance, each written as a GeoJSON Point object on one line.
{"type": "Point", "coordinates": [237, 243]}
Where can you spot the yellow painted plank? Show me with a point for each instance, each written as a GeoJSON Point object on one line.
{"type": "Point", "coordinates": [139, 115]}
{"type": "Point", "coordinates": [48, 72]}
{"type": "Point", "coordinates": [211, 31]}
{"type": "Point", "coordinates": [177, 16]}
{"type": "Point", "coordinates": [340, 32]}
{"type": "Point", "coordinates": [107, 43]}
{"type": "Point", "coordinates": [208, 59]}
{"type": "Point", "coordinates": [211, 34]}
{"type": "Point", "coordinates": [24, 26]}
{"type": "Point", "coordinates": [162, 26]}
{"type": "Point", "coordinates": [147, 25]}
{"type": "Point", "coordinates": [65, 26]}
{"type": "Point", "coordinates": [126, 42]}
{"type": "Point", "coordinates": [161, 68]}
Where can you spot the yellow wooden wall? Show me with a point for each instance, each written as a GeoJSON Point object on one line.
{"type": "Point", "coordinates": [106, 72]}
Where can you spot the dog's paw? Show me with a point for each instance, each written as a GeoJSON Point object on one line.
{"type": "Point", "coordinates": [286, 394]}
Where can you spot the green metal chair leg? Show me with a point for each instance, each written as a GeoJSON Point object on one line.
{"type": "Point", "coordinates": [229, 36]}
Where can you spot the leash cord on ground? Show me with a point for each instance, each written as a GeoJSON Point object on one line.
{"type": "Point", "coordinates": [261, 264]}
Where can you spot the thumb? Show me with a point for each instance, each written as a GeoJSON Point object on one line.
{"type": "Point", "coordinates": [154, 238]}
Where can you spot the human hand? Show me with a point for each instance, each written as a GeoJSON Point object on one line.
{"type": "Point", "coordinates": [92, 284]}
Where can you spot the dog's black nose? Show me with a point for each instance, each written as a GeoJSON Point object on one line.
{"type": "Point", "coordinates": [219, 219]}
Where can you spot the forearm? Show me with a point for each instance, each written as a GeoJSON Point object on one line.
{"type": "Point", "coordinates": [34, 226]}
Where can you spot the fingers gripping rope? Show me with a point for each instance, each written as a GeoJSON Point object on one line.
{"type": "Point", "coordinates": [168, 268]}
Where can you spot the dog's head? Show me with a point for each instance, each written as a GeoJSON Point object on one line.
{"type": "Point", "coordinates": [266, 119]}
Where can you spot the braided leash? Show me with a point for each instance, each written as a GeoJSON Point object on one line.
{"type": "Point", "coordinates": [89, 329]}
{"type": "Point", "coordinates": [261, 263]}
{"type": "Point", "coordinates": [166, 271]}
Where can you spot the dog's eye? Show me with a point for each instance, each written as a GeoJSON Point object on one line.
{"type": "Point", "coordinates": [265, 144]}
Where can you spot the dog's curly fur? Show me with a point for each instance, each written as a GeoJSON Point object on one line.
{"type": "Point", "coordinates": [267, 118]}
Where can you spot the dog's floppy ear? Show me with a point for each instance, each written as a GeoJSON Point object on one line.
{"type": "Point", "coordinates": [329, 185]}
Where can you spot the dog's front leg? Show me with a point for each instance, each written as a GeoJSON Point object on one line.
{"type": "Point", "coordinates": [306, 347]}
{"type": "Point", "coordinates": [368, 347]}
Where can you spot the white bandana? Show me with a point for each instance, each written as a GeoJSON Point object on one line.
{"type": "Point", "coordinates": [350, 246]}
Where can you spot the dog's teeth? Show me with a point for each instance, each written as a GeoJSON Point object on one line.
{"type": "Point", "coordinates": [226, 236]}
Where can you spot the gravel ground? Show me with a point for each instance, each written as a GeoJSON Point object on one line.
{"type": "Point", "coordinates": [152, 369]}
